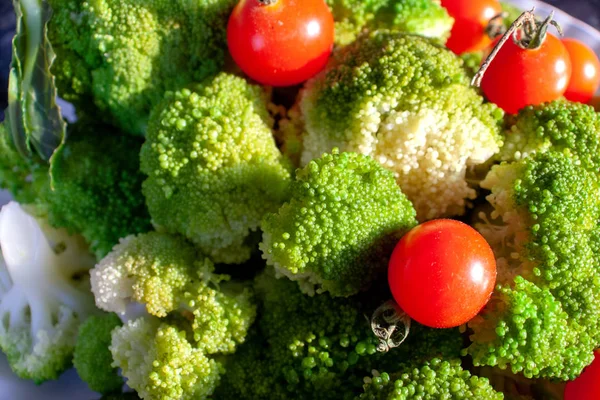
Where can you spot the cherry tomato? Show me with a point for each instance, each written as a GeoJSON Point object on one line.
{"type": "Point", "coordinates": [585, 78]}
{"type": "Point", "coordinates": [442, 273]}
{"type": "Point", "coordinates": [471, 18]}
{"type": "Point", "coordinates": [587, 385]}
{"type": "Point", "coordinates": [520, 77]}
{"type": "Point", "coordinates": [280, 42]}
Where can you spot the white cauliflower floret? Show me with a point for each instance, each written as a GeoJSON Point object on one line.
{"type": "Point", "coordinates": [44, 294]}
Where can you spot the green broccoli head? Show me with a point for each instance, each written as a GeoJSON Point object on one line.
{"type": "Point", "coordinates": [344, 218]}
{"type": "Point", "coordinates": [213, 167]}
{"type": "Point", "coordinates": [422, 17]}
{"type": "Point", "coordinates": [406, 101]}
{"type": "Point", "coordinates": [92, 358]}
{"type": "Point", "coordinates": [560, 125]}
{"type": "Point", "coordinates": [96, 186]}
{"type": "Point", "coordinates": [44, 294]}
{"type": "Point", "coordinates": [96, 189]}
{"type": "Point", "coordinates": [543, 318]}
{"type": "Point", "coordinates": [434, 379]}
{"type": "Point", "coordinates": [168, 276]}
{"type": "Point", "coordinates": [122, 56]}
{"type": "Point", "coordinates": [160, 362]}
{"type": "Point", "coordinates": [307, 347]}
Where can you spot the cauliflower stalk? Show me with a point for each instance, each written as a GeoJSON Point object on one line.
{"type": "Point", "coordinates": [44, 295]}
{"type": "Point", "coordinates": [404, 100]}
{"type": "Point", "coordinates": [336, 233]}
{"type": "Point", "coordinates": [213, 167]}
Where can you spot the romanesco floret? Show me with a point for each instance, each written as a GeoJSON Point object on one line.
{"type": "Point", "coordinates": [213, 167]}
{"type": "Point", "coordinates": [559, 125]}
{"type": "Point", "coordinates": [432, 380]}
{"type": "Point", "coordinates": [308, 347]}
{"type": "Point", "coordinates": [92, 358]}
{"type": "Point", "coordinates": [123, 55]}
{"type": "Point", "coordinates": [336, 233]}
{"type": "Point", "coordinates": [168, 276]}
{"type": "Point", "coordinates": [44, 294]}
{"type": "Point", "coordinates": [422, 17]}
{"type": "Point", "coordinates": [543, 319]}
{"type": "Point", "coordinates": [160, 361]}
{"type": "Point", "coordinates": [406, 101]}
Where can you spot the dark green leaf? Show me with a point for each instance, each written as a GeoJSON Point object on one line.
{"type": "Point", "coordinates": [33, 117]}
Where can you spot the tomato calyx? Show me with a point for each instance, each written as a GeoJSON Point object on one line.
{"type": "Point", "coordinates": [495, 26]}
{"type": "Point", "coordinates": [527, 32]}
{"type": "Point", "coordinates": [391, 325]}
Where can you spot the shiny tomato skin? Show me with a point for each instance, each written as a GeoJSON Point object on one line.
{"type": "Point", "coordinates": [587, 385]}
{"type": "Point", "coordinates": [585, 77]}
{"type": "Point", "coordinates": [520, 77]}
{"type": "Point", "coordinates": [280, 44]}
{"type": "Point", "coordinates": [471, 17]}
{"type": "Point", "coordinates": [442, 273]}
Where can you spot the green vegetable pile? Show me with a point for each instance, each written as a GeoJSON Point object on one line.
{"type": "Point", "coordinates": [194, 235]}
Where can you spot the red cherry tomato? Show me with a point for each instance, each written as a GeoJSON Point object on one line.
{"type": "Point", "coordinates": [471, 17]}
{"type": "Point", "coordinates": [280, 42]}
{"type": "Point", "coordinates": [587, 385]}
{"type": "Point", "coordinates": [585, 78]}
{"type": "Point", "coordinates": [520, 77]}
{"type": "Point", "coordinates": [442, 273]}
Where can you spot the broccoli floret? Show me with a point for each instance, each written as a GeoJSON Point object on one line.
{"type": "Point", "coordinates": [559, 125]}
{"type": "Point", "coordinates": [167, 275]}
{"type": "Point", "coordinates": [160, 361]}
{"type": "Point", "coordinates": [422, 17]}
{"type": "Point", "coordinates": [344, 218]}
{"type": "Point", "coordinates": [213, 167]}
{"type": "Point", "coordinates": [543, 319]}
{"type": "Point", "coordinates": [308, 347]}
{"type": "Point", "coordinates": [97, 186]}
{"type": "Point", "coordinates": [44, 294]}
{"type": "Point", "coordinates": [196, 316]}
{"type": "Point", "coordinates": [92, 358]}
{"type": "Point", "coordinates": [435, 379]}
{"type": "Point", "coordinates": [406, 101]}
{"type": "Point", "coordinates": [122, 56]}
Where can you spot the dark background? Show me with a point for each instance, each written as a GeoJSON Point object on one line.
{"type": "Point", "coordinates": [586, 10]}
